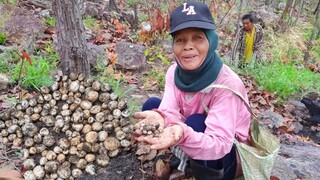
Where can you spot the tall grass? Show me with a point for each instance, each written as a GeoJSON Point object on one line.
{"type": "Point", "coordinates": [36, 75]}
{"type": "Point", "coordinates": [286, 80]}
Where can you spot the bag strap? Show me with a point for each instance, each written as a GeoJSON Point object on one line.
{"type": "Point", "coordinates": [221, 86]}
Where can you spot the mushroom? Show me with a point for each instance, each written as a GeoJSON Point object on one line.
{"type": "Point", "coordinates": [111, 143]}
{"type": "Point", "coordinates": [29, 164]}
{"type": "Point", "coordinates": [76, 173]}
{"type": "Point", "coordinates": [90, 158]}
{"type": "Point", "coordinates": [90, 168]}
{"type": "Point", "coordinates": [48, 140]}
{"type": "Point", "coordinates": [81, 164]}
{"type": "Point", "coordinates": [92, 137]}
{"type": "Point", "coordinates": [61, 158]}
{"type": "Point", "coordinates": [96, 126]}
{"type": "Point", "coordinates": [103, 160]}
{"type": "Point", "coordinates": [51, 166]}
{"type": "Point", "coordinates": [38, 172]}
{"type": "Point", "coordinates": [92, 96]}
{"type": "Point", "coordinates": [28, 175]}
{"type": "Point", "coordinates": [51, 155]}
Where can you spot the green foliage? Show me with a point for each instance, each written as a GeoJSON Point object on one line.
{"type": "Point", "coordinates": [53, 55]}
{"type": "Point", "coordinates": [116, 86]}
{"type": "Point", "coordinates": [90, 22]}
{"type": "Point", "coordinates": [284, 79]}
{"type": "Point", "coordinates": [154, 53]}
{"type": "Point", "coordinates": [12, 2]}
{"type": "Point", "coordinates": [3, 38]}
{"type": "Point", "coordinates": [6, 62]}
{"type": "Point", "coordinates": [35, 75]}
{"type": "Point", "coordinates": [103, 74]}
{"type": "Point", "coordinates": [50, 21]}
{"type": "Point", "coordinates": [155, 75]}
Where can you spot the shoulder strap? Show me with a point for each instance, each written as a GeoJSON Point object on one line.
{"type": "Point", "coordinates": [221, 86]}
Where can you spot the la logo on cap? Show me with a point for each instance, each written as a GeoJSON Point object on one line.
{"type": "Point", "coordinates": [189, 10]}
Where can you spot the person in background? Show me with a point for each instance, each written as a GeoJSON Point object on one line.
{"type": "Point", "coordinates": [9, 174]}
{"type": "Point", "coordinates": [249, 39]}
{"type": "Point", "coordinates": [198, 130]}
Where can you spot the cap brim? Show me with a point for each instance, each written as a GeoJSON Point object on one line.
{"type": "Point", "coordinates": [194, 24]}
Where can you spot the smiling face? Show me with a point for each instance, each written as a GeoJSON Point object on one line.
{"type": "Point", "coordinates": [191, 47]}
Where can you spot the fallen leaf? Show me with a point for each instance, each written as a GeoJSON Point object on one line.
{"type": "Point", "coordinates": [27, 57]}
{"type": "Point", "coordinates": [147, 157]}
{"type": "Point", "coordinates": [274, 178]}
{"type": "Point", "coordinates": [143, 149]}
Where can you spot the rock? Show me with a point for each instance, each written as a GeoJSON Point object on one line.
{"type": "Point", "coordinates": [97, 53]}
{"type": "Point", "coordinates": [297, 127]}
{"type": "Point", "coordinates": [45, 4]}
{"type": "Point", "coordinates": [130, 56]}
{"type": "Point", "coordinates": [4, 81]}
{"type": "Point", "coordinates": [298, 105]}
{"type": "Point", "coordinates": [20, 26]}
{"type": "Point", "coordinates": [266, 17]}
{"type": "Point", "coordinates": [299, 161]}
{"type": "Point", "coordinates": [2, 48]}
{"type": "Point", "coordinates": [271, 119]}
{"type": "Point", "coordinates": [94, 9]}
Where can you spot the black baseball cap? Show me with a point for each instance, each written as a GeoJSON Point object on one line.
{"type": "Point", "coordinates": [191, 14]}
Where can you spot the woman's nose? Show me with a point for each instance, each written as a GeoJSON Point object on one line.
{"type": "Point", "coordinates": [188, 46]}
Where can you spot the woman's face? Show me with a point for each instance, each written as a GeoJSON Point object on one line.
{"type": "Point", "coordinates": [191, 47]}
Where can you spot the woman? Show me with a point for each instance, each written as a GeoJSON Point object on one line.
{"type": "Point", "coordinates": [204, 138]}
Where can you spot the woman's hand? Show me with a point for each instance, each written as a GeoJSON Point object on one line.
{"type": "Point", "coordinates": [9, 174]}
{"type": "Point", "coordinates": [169, 137]}
{"type": "Point", "coordinates": [149, 117]}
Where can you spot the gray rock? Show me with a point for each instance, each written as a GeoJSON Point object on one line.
{"type": "Point", "coordinates": [130, 56]}
{"type": "Point", "coordinates": [298, 105]}
{"type": "Point", "coordinates": [97, 52]}
{"type": "Point", "coordinates": [2, 48]}
{"type": "Point", "coordinates": [266, 17]}
{"type": "Point", "coordinates": [297, 127]}
{"type": "Point", "coordinates": [271, 119]}
{"type": "Point", "coordinates": [21, 27]}
{"type": "Point", "coordinates": [4, 81]}
{"type": "Point", "coordinates": [94, 9]}
{"type": "Point", "coordinates": [45, 4]}
{"type": "Point", "coordinates": [297, 161]}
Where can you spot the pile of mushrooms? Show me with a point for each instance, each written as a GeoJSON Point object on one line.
{"type": "Point", "coordinates": [68, 129]}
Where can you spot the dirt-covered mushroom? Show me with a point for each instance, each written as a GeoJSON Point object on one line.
{"type": "Point", "coordinates": [38, 172]}
{"type": "Point", "coordinates": [111, 143]}
{"type": "Point", "coordinates": [102, 160]}
{"type": "Point", "coordinates": [90, 168]}
{"type": "Point", "coordinates": [81, 164]}
{"type": "Point", "coordinates": [48, 140]}
{"type": "Point", "coordinates": [76, 173]}
{"type": "Point", "coordinates": [29, 129]}
{"type": "Point", "coordinates": [29, 164]}
{"type": "Point", "coordinates": [51, 166]}
{"type": "Point", "coordinates": [92, 137]}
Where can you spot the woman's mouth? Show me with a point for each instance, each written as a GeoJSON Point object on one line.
{"type": "Point", "coordinates": [189, 57]}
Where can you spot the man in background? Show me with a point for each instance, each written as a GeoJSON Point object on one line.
{"type": "Point", "coordinates": [248, 42]}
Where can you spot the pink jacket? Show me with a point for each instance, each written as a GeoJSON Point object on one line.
{"type": "Point", "coordinates": [227, 117]}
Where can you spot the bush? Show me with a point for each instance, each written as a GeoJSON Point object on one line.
{"type": "Point", "coordinates": [3, 38]}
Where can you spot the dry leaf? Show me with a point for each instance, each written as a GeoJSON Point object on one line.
{"type": "Point", "coordinates": [143, 149]}
{"type": "Point", "coordinates": [148, 157]}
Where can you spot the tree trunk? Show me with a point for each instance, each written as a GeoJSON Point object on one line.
{"type": "Point", "coordinates": [284, 14]}
{"type": "Point", "coordinates": [316, 27]}
{"type": "Point", "coordinates": [268, 2]}
{"type": "Point", "coordinates": [239, 16]}
{"type": "Point", "coordinates": [299, 11]}
{"type": "Point", "coordinates": [113, 6]}
{"type": "Point", "coordinates": [72, 47]}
